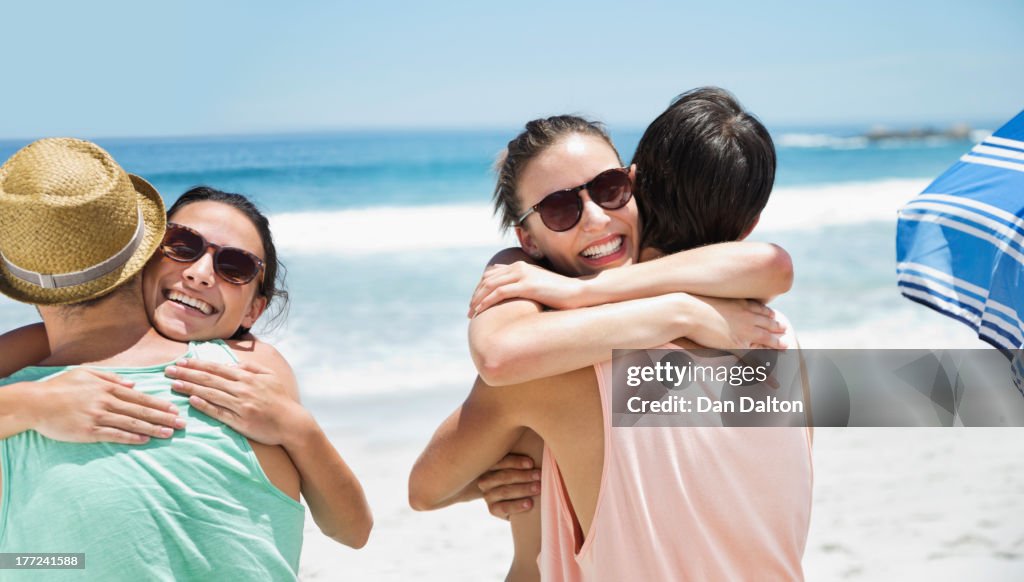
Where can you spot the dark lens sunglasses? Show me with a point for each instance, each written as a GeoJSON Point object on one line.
{"type": "Point", "coordinates": [562, 210]}
{"type": "Point", "coordinates": [234, 265]}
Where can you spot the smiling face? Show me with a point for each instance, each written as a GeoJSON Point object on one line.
{"type": "Point", "coordinates": [602, 239]}
{"type": "Point", "coordinates": [189, 301]}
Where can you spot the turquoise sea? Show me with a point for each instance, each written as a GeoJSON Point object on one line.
{"type": "Point", "coordinates": [384, 235]}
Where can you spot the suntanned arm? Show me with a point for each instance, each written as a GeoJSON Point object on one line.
{"type": "Point", "coordinates": [742, 270]}
{"type": "Point", "coordinates": [17, 403]}
{"type": "Point", "coordinates": [488, 424]}
{"type": "Point", "coordinates": [23, 347]}
{"type": "Point", "coordinates": [80, 405]}
{"type": "Point", "coordinates": [469, 442]}
{"type": "Point", "coordinates": [335, 496]}
{"type": "Point", "coordinates": [516, 341]}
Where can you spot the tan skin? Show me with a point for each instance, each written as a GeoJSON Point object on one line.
{"type": "Point", "coordinates": [512, 285]}
{"type": "Point", "coordinates": [259, 397]}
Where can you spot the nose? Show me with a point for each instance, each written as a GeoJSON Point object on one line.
{"type": "Point", "coordinates": [200, 272]}
{"type": "Point", "coordinates": [594, 217]}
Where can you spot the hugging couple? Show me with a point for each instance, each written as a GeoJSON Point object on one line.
{"type": "Point", "coordinates": [160, 466]}
{"type": "Point", "coordinates": [638, 256]}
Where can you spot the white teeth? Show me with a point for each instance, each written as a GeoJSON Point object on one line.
{"type": "Point", "coordinates": [598, 251]}
{"type": "Point", "coordinates": [179, 297]}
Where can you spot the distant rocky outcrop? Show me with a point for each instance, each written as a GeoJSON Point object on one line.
{"type": "Point", "coordinates": [955, 131]}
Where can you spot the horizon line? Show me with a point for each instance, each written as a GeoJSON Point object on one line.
{"type": "Point", "coordinates": [384, 129]}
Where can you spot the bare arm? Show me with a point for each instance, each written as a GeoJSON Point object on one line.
{"type": "Point", "coordinates": [475, 437]}
{"type": "Point", "coordinates": [23, 347]}
{"type": "Point", "coordinates": [84, 405]}
{"type": "Point", "coordinates": [261, 402]}
{"type": "Point", "coordinates": [739, 270]}
{"type": "Point", "coordinates": [516, 341]}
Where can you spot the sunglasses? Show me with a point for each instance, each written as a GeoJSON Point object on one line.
{"type": "Point", "coordinates": [562, 210]}
{"type": "Point", "coordinates": [234, 265]}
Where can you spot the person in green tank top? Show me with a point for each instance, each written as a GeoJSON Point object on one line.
{"type": "Point", "coordinates": [129, 505]}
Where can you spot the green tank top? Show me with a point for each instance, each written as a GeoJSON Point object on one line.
{"type": "Point", "coordinates": [197, 506]}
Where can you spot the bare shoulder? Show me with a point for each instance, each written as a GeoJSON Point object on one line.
{"type": "Point", "coordinates": [509, 256]}
{"type": "Point", "coordinates": [251, 350]}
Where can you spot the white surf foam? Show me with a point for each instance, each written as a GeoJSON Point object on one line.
{"type": "Point", "coordinates": [820, 140]}
{"type": "Point", "coordinates": [814, 207]}
{"type": "Point", "coordinates": [387, 230]}
{"type": "Point", "coordinates": [426, 228]}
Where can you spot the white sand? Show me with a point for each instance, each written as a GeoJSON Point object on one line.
{"type": "Point", "coordinates": [889, 504]}
{"type": "Point", "coordinates": [462, 542]}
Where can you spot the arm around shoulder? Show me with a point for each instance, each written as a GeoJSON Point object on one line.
{"type": "Point", "coordinates": [23, 347]}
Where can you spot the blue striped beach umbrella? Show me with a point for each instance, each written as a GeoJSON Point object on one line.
{"type": "Point", "coordinates": [960, 244]}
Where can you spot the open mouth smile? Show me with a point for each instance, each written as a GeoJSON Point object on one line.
{"type": "Point", "coordinates": [190, 303]}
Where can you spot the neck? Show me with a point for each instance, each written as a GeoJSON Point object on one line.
{"type": "Point", "coordinates": [112, 333]}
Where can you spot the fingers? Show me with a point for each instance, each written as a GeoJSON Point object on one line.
{"type": "Point", "coordinates": [229, 372]}
{"type": "Point", "coordinates": [504, 509]}
{"type": "Point", "coordinates": [109, 376]}
{"type": "Point", "coordinates": [514, 492]}
{"type": "Point", "coordinates": [253, 368]}
{"type": "Point", "coordinates": [500, 478]}
{"type": "Point", "coordinates": [202, 378]}
{"type": "Point", "coordinates": [482, 287]}
{"type": "Point", "coordinates": [116, 419]}
{"type": "Point", "coordinates": [212, 395]}
{"type": "Point", "coordinates": [130, 403]}
{"type": "Point", "coordinates": [114, 435]}
{"type": "Point", "coordinates": [484, 297]}
{"type": "Point", "coordinates": [141, 399]}
{"type": "Point", "coordinates": [500, 294]}
{"type": "Point", "coordinates": [212, 410]}
{"type": "Point", "coordinates": [513, 461]}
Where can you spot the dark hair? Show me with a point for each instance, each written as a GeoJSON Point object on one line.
{"type": "Point", "coordinates": [538, 135]}
{"type": "Point", "coordinates": [704, 170]}
{"type": "Point", "coordinates": [274, 272]}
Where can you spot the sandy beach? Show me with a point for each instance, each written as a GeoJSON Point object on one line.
{"type": "Point", "coordinates": [889, 504]}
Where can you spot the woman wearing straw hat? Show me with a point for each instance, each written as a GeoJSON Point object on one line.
{"type": "Point", "coordinates": [93, 269]}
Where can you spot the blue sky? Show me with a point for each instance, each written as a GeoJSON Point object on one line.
{"type": "Point", "coordinates": [181, 68]}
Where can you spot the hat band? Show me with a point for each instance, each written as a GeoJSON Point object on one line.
{"type": "Point", "coordinates": [60, 280]}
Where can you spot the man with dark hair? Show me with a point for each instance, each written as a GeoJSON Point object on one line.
{"type": "Point", "coordinates": [705, 169]}
{"type": "Point", "coordinates": [650, 503]}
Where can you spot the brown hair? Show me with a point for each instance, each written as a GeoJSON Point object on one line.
{"type": "Point", "coordinates": [538, 135]}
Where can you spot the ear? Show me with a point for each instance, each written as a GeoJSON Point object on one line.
{"type": "Point", "coordinates": [256, 308]}
{"type": "Point", "coordinates": [526, 241]}
{"type": "Point", "coordinates": [632, 174]}
{"type": "Point", "coordinates": [750, 228]}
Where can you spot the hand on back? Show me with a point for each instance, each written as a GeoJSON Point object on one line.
{"type": "Point", "coordinates": [249, 398]}
{"type": "Point", "coordinates": [84, 406]}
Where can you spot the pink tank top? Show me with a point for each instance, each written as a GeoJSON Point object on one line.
{"type": "Point", "coordinates": [687, 503]}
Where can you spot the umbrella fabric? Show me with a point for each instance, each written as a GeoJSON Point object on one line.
{"type": "Point", "coordinates": [960, 244]}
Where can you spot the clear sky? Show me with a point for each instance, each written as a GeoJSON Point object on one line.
{"type": "Point", "coordinates": [106, 68]}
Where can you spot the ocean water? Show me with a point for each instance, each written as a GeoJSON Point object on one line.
{"type": "Point", "coordinates": [384, 235]}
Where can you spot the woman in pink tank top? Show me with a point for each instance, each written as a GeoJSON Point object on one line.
{"type": "Point", "coordinates": [669, 504]}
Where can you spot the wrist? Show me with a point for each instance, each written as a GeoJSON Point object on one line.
{"type": "Point", "coordinates": [301, 428]}
{"type": "Point", "coordinates": [23, 406]}
{"type": "Point", "coordinates": [583, 293]}
{"type": "Point", "coordinates": [684, 318]}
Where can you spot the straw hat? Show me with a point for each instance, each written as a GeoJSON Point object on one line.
{"type": "Point", "coordinates": [73, 224]}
